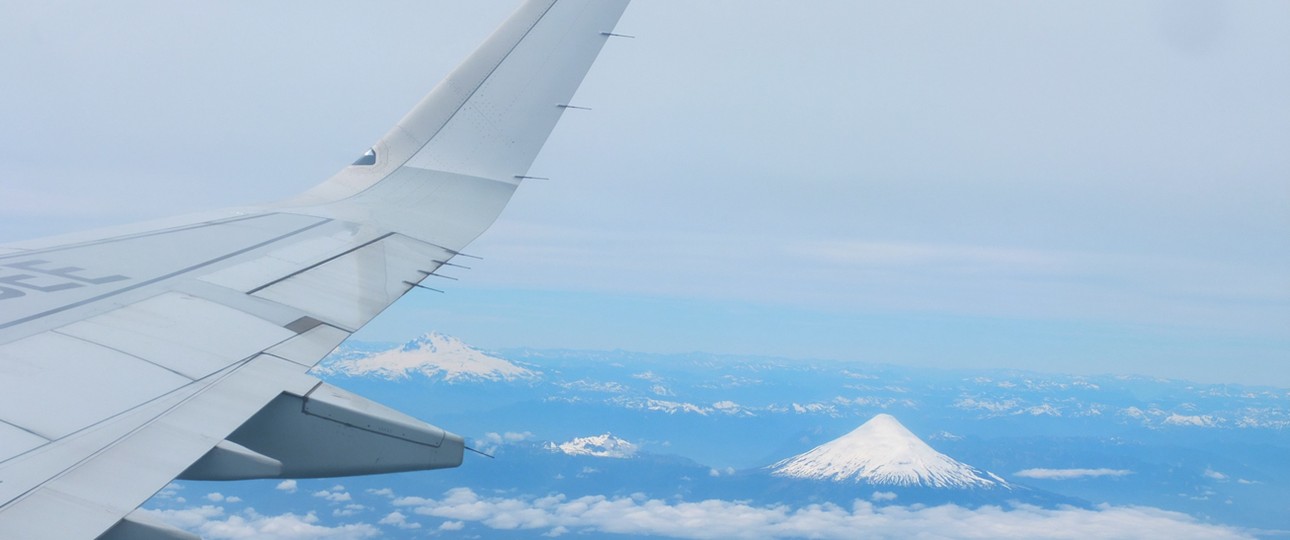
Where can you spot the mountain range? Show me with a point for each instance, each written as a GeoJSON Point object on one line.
{"type": "Point", "coordinates": [771, 431]}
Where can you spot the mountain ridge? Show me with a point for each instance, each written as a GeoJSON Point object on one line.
{"type": "Point", "coordinates": [433, 355]}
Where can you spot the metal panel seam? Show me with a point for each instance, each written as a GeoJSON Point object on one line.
{"type": "Point", "coordinates": [25, 430]}
{"type": "Point", "coordinates": [108, 347]}
{"type": "Point", "coordinates": [320, 263]}
{"type": "Point", "coordinates": [125, 237]}
{"type": "Point", "coordinates": [226, 256]}
{"type": "Point", "coordinates": [283, 358]}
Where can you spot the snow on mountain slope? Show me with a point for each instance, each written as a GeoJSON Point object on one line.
{"type": "Point", "coordinates": [883, 452]}
{"type": "Point", "coordinates": [433, 354]}
{"type": "Point", "coordinates": [605, 445]}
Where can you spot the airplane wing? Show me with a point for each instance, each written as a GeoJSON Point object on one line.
{"type": "Point", "coordinates": [179, 349]}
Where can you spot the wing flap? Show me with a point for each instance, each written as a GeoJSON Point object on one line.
{"type": "Point", "coordinates": [188, 335]}
{"type": "Point", "coordinates": [124, 474]}
{"type": "Point", "coordinates": [50, 371]}
{"type": "Point", "coordinates": [25, 472]}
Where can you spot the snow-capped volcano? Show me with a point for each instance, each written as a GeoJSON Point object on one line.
{"type": "Point", "coordinates": [433, 354]}
{"type": "Point", "coordinates": [605, 445]}
{"type": "Point", "coordinates": [883, 452]}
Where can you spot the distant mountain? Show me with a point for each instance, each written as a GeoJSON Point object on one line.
{"type": "Point", "coordinates": [882, 452]}
{"type": "Point", "coordinates": [605, 445]}
{"type": "Point", "coordinates": [433, 355]}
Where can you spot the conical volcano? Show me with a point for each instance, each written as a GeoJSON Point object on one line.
{"type": "Point", "coordinates": [883, 452]}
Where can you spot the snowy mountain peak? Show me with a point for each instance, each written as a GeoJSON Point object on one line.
{"type": "Point", "coordinates": [433, 354]}
{"type": "Point", "coordinates": [883, 452]}
{"type": "Point", "coordinates": [605, 445]}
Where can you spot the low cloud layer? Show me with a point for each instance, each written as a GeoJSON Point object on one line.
{"type": "Point", "coordinates": [1069, 474]}
{"type": "Point", "coordinates": [212, 523]}
{"type": "Point", "coordinates": [462, 509]}
{"type": "Point", "coordinates": [639, 515]}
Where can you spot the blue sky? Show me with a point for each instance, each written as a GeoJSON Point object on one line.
{"type": "Point", "coordinates": [1094, 187]}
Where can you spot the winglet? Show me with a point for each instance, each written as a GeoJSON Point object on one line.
{"type": "Point", "coordinates": [492, 114]}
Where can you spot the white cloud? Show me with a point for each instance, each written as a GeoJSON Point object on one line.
{"type": "Point", "coordinates": [730, 407]}
{"type": "Point", "coordinates": [211, 523]}
{"type": "Point", "coordinates": [383, 492]}
{"type": "Point", "coordinates": [639, 515]}
{"type": "Point", "coordinates": [1214, 475]}
{"type": "Point", "coordinates": [728, 471]}
{"type": "Point", "coordinates": [508, 437]}
{"type": "Point", "coordinates": [334, 495]}
{"type": "Point", "coordinates": [288, 486]}
{"type": "Point", "coordinates": [399, 520]}
{"type": "Point", "coordinates": [187, 518]}
{"type": "Point", "coordinates": [348, 510]}
{"type": "Point", "coordinates": [991, 406]}
{"type": "Point", "coordinates": [594, 386]}
{"type": "Point", "coordinates": [170, 491]}
{"type": "Point", "coordinates": [452, 526]}
{"type": "Point", "coordinates": [1068, 474]}
{"type": "Point", "coordinates": [883, 496]}
{"type": "Point", "coordinates": [219, 497]}
{"type": "Point", "coordinates": [490, 442]}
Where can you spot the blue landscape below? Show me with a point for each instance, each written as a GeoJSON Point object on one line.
{"type": "Point", "coordinates": [707, 427]}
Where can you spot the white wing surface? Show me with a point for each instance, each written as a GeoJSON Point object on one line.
{"type": "Point", "coordinates": [179, 349]}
